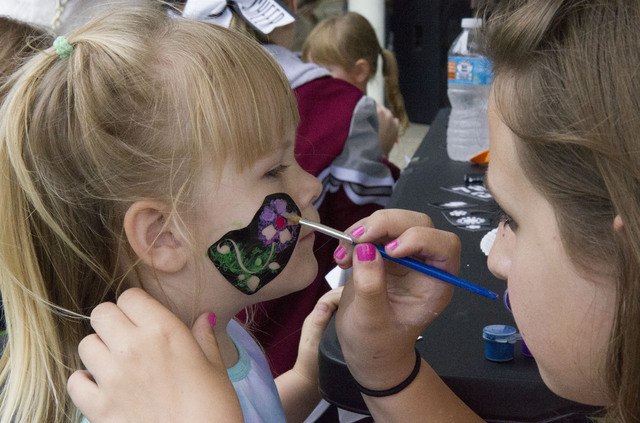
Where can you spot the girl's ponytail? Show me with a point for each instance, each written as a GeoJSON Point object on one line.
{"type": "Point", "coordinates": [32, 375]}
{"type": "Point", "coordinates": [56, 252]}
{"type": "Point", "coordinates": [392, 88]}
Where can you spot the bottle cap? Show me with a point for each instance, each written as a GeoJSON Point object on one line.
{"type": "Point", "coordinates": [471, 23]}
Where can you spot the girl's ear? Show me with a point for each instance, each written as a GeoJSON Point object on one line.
{"type": "Point", "coordinates": [154, 238]}
{"type": "Point", "coordinates": [361, 71]}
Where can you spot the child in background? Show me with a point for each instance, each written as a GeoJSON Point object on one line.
{"type": "Point", "coordinates": [337, 141]}
{"type": "Point", "coordinates": [129, 150]}
{"type": "Point", "coordinates": [348, 47]}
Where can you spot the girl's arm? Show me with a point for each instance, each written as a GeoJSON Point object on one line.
{"type": "Point", "coordinates": [298, 388]}
{"type": "Point", "coordinates": [386, 306]}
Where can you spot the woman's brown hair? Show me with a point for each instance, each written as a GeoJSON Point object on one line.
{"type": "Point", "coordinates": [567, 84]}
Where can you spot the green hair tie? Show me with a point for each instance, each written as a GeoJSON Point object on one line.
{"type": "Point", "coordinates": [63, 47]}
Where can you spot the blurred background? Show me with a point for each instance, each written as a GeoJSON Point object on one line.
{"type": "Point", "coordinates": [419, 32]}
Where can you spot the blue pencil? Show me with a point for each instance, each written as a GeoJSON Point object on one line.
{"type": "Point", "coordinates": [438, 274]}
{"type": "Point", "coordinates": [405, 261]}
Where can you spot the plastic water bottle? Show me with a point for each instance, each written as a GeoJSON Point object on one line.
{"type": "Point", "coordinates": [469, 83]}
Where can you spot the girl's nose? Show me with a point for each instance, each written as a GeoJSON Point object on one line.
{"type": "Point", "coordinates": [307, 189]}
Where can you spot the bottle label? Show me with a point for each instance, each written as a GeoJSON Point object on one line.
{"type": "Point", "coordinates": [469, 70]}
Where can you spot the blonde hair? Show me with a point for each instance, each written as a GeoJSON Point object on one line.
{"type": "Point", "coordinates": [566, 83]}
{"type": "Point", "coordinates": [19, 40]}
{"type": "Point", "coordinates": [342, 40]}
{"type": "Point", "coordinates": [133, 113]}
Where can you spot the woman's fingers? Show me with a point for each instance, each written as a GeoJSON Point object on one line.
{"type": "Point", "coordinates": [94, 354]}
{"type": "Point", "coordinates": [404, 234]}
{"type": "Point", "coordinates": [110, 323]}
{"type": "Point", "coordinates": [202, 331]}
{"type": "Point", "coordinates": [142, 309]}
{"type": "Point", "coordinates": [433, 246]}
{"type": "Point", "coordinates": [370, 296]}
{"type": "Point", "coordinates": [115, 323]}
{"type": "Point", "coordinates": [83, 390]}
{"type": "Point", "coordinates": [381, 227]}
{"type": "Point", "coordinates": [387, 225]}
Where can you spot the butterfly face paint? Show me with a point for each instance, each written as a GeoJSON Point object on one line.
{"type": "Point", "coordinates": [251, 257]}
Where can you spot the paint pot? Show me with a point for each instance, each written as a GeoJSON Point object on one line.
{"type": "Point", "coordinates": [499, 342]}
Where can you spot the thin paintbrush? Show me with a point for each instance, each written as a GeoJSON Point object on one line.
{"type": "Point", "coordinates": [405, 261]}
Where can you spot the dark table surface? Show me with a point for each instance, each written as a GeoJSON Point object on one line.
{"type": "Point", "coordinates": [452, 345]}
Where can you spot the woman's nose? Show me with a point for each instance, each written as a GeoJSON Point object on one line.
{"type": "Point", "coordinates": [499, 260]}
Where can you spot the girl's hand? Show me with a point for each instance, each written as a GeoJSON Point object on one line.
{"type": "Point", "coordinates": [312, 329]}
{"type": "Point", "coordinates": [386, 306]}
{"type": "Point", "coordinates": [388, 129]}
{"type": "Point", "coordinates": [144, 364]}
{"type": "Point", "coordinates": [298, 387]}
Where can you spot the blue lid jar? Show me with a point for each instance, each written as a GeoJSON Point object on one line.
{"type": "Point", "coordinates": [499, 342]}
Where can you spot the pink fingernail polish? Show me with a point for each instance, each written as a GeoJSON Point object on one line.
{"type": "Point", "coordinates": [392, 245]}
{"type": "Point", "coordinates": [366, 252]}
{"type": "Point", "coordinates": [340, 253]}
{"type": "Point", "coordinates": [213, 319]}
{"type": "Point", "coordinates": [358, 232]}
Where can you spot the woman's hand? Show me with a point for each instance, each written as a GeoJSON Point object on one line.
{"type": "Point", "coordinates": [144, 364]}
{"type": "Point", "coordinates": [386, 306]}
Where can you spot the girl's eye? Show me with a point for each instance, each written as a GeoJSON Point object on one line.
{"type": "Point", "coordinates": [276, 171]}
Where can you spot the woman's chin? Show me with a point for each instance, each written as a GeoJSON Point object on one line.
{"type": "Point", "coordinates": [585, 393]}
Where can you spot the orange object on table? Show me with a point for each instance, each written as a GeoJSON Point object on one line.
{"type": "Point", "coordinates": [480, 158]}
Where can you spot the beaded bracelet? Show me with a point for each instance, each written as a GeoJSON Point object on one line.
{"type": "Point", "coordinates": [397, 388]}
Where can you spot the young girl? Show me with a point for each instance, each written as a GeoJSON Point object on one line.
{"type": "Point", "coordinates": [347, 45]}
{"type": "Point", "coordinates": [133, 153]}
{"type": "Point", "coordinates": [337, 141]}
{"type": "Point", "coordinates": [564, 124]}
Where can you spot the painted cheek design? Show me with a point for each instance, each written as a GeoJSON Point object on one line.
{"type": "Point", "coordinates": [251, 257]}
